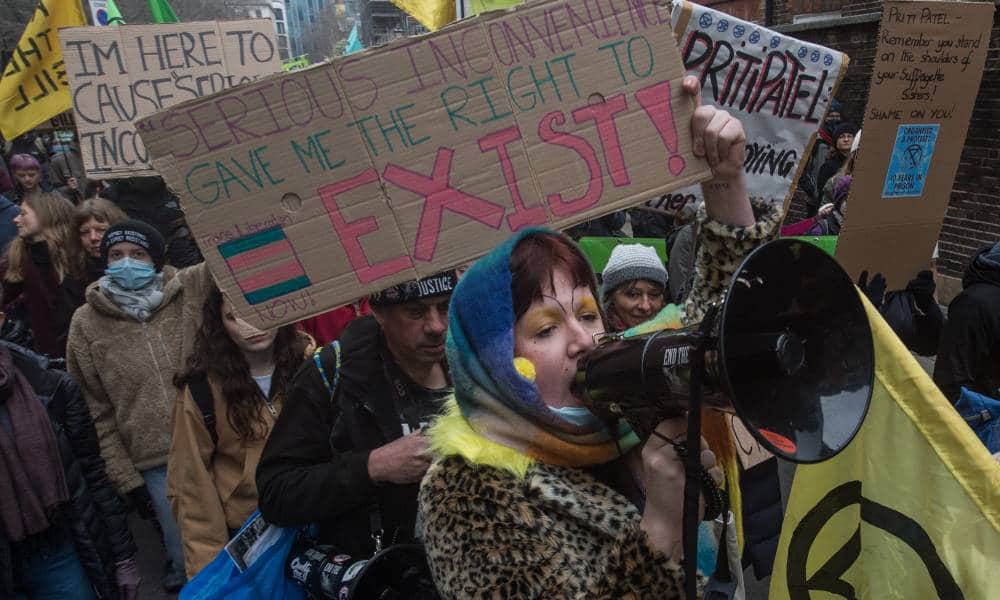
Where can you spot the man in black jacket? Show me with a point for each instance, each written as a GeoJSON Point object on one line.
{"type": "Point", "coordinates": [969, 355]}
{"type": "Point", "coordinates": [347, 452]}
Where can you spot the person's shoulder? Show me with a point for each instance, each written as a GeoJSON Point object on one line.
{"type": "Point", "coordinates": [360, 335]}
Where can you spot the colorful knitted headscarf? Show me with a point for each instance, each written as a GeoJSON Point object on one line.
{"type": "Point", "coordinates": [495, 399]}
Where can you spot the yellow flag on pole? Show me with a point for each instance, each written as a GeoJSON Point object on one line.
{"type": "Point", "coordinates": [34, 87]}
{"type": "Point", "coordinates": [910, 509]}
{"type": "Point", "coordinates": [432, 14]}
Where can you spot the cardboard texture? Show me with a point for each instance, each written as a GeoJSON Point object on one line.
{"type": "Point", "coordinates": [120, 74]}
{"type": "Point", "coordinates": [928, 66]}
{"type": "Point", "coordinates": [748, 449]}
{"type": "Point", "coordinates": [310, 189]}
{"type": "Point", "coordinates": [778, 86]}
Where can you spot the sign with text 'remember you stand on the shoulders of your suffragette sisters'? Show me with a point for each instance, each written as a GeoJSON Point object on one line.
{"type": "Point", "coordinates": [778, 86]}
{"type": "Point", "coordinates": [120, 74]}
{"type": "Point", "coordinates": [928, 66]}
{"type": "Point", "coordinates": [309, 189]}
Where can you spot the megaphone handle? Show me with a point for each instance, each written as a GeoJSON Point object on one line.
{"type": "Point", "coordinates": [692, 462]}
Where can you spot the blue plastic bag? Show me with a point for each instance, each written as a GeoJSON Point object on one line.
{"type": "Point", "coordinates": [261, 550]}
{"type": "Point", "coordinates": [982, 413]}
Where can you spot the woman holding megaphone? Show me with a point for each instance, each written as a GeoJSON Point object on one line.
{"type": "Point", "coordinates": [530, 495]}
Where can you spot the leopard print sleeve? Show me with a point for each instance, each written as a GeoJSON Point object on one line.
{"type": "Point", "coordinates": [488, 535]}
{"type": "Point", "coordinates": [721, 249]}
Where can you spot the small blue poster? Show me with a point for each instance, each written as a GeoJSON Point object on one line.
{"type": "Point", "coordinates": [911, 159]}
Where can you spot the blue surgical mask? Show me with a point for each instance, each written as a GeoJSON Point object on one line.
{"type": "Point", "coordinates": [130, 273]}
{"type": "Point", "coordinates": [579, 416]}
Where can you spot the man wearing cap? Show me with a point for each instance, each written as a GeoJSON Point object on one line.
{"type": "Point", "coordinates": [347, 451]}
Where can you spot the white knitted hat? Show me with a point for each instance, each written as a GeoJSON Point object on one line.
{"type": "Point", "coordinates": [629, 262]}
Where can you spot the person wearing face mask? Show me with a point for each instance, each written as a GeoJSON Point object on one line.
{"type": "Point", "coordinates": [91, 220]}
{"type": "Point", "coordinates": [633, 286]}
{"type": "Point", "coordinates": [530, 495]}
{"type": "Point", "coordinates": [40, 279]}
{"type": "Point", "coordinates": [232, 391]}
{"type": "Point", "coordinates": [126, 345]}
{"type": "Point", "coordinates": [348, 449]}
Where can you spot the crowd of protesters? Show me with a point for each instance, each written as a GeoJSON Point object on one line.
{"type": "Point", "coordinates": [128, 382]}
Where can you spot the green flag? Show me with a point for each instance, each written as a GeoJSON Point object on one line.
{"type": "Point", "coordinates": [114, 15]}
{"type": "Point", "coordinates": [162, 13]}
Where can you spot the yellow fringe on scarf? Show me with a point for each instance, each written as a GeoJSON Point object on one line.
{"type": "Point", "coordinates": [717, 433]}
{"type": "Point", "coordinates": [450, 434]}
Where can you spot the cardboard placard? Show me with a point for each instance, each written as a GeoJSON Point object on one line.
{"type": "Point", "coordinates": [928, 66]}
{"type": "Point", "coordinates": [120, 74]}
{"type": "Point", "coordinates": [750, 452]}
{"type": "Point", "coordinates": [778, 86]}
{"type": "Point", "coordinates": [310, 189]}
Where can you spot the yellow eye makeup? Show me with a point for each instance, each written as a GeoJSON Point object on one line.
{"type": "Point", "coordinates": [587, 305]}
{"type": "Point", "coordinates": [538, 319]}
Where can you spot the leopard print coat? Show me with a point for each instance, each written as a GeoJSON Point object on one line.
{"type": "Point", "coordinates": [557, 533]}
{"type": "Point", "coordinates": [721, 250]}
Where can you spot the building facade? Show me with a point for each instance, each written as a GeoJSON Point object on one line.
{"type": "Point", "coordinates": [274, 10]}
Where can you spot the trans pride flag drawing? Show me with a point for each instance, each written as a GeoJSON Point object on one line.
{"type": "Point", "coordinates": [264, 265]}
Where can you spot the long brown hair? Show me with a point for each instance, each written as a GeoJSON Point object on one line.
{"type": "Point", "coordinates": [216, 355]}
{"type": "Point", "coordinates": [55, 216]}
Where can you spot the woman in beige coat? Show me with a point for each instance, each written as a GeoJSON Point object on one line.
{"type": "Point", "coordinates": [125, 346]}
{"type": "Point", "coordinates": [232, 390]}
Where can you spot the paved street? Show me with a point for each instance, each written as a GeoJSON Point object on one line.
{"type": "Point", "coordinates": [151, 559]}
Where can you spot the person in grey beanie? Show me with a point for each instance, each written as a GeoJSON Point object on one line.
{"type": "Point", "coordinates": [634, 283]}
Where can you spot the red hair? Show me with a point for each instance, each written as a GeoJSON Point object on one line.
{"type": "Point", "coordinates": [533, 264]}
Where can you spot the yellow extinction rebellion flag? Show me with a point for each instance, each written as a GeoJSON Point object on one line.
{"type": "Point", "coordinates": [910, 509]}
{"type": "Point", "coordinates": [432, 14]}
{"type": "Point", "coordinates": [34, 86]}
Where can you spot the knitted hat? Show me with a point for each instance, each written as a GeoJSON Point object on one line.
{"type": "Point", "coordinates": [439, 284]}
{"type": "Point", "coordinates": [630, 262]}
{"type": "Point", "coordinates": [844, 127]}
{"type": "Point", "coordinates": [139, 233]}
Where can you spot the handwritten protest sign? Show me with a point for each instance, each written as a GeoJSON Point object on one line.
{"type": "Point", "coordinates": [778, 86]}
{"type": "Point", "coordinates": [925, 79]}
{"type": "Point", "coordinates": [313, 188]}
{"type": "Point", "coordinates": [120, 74]}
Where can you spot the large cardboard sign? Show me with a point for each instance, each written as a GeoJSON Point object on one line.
{"type": "Point", "coordinates": [120, 74]}
{"type": "Point", "coordinates": [313, 188]}
{"type": "Point", "coordinates": [928, 66]}
{"type": "Point", "coordinates": [778, 86]}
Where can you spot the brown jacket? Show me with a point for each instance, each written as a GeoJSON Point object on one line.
{"type": "Point", "coordinates": [126, 370]}
{"type": "Point", "coordinates": [212, 488]}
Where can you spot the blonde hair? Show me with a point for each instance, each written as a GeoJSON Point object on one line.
{"type": "Point", "coordinates": [55, 217]}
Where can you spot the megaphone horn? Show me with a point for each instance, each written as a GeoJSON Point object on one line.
{"type": "Point", "coordinates": [789, 351]}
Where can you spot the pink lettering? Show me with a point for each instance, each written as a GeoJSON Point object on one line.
{"type": "Point", "coordinates": [522, 216]}
{"type": "Point", "coordinates": [580, 145]}
{"type": "Point", "coordinates": [603, 114]}
{"type": "Point", "coordinates": [655, 100]}
{"type": "Point", "coordinates": [350, 232]}
{"type": "Point", "coordinates": [440, 195]}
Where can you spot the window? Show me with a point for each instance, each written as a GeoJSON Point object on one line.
{"type": "Point", "coordinates": [280, 27]}
{"type": "Point", "coordinates": [279, 15]}
{"type": "Point", "coordinates": [257, 13]}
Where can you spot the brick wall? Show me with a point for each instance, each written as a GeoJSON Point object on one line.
{"type": "Point", "coordinates": [973, 218]}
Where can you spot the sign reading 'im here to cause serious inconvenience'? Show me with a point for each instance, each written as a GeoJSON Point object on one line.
{"type": "Point", "coordinates": [312, 188]}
